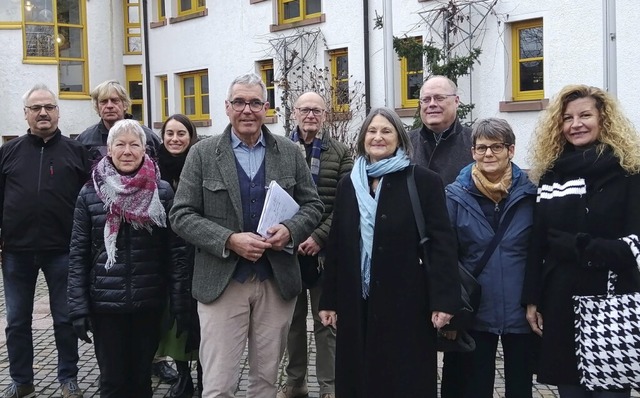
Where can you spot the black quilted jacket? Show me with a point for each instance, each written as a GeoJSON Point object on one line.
{"type": "Point", "coordinates": [149, 266]}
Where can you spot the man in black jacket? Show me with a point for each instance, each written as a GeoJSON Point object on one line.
{"type": "Point", "coordinates": [41, 174]}
{"type": "Point", "coordinates": [112, 102]}
{"type": "Point", "coordinates": [443, 144]}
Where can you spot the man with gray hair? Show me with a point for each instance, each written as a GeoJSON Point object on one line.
{"type": "Point", "coordinates": [442, 144]}
{"type": "Point", "coordinates": [112, 102]}
{"type": "Point", "coordinates": [246, 284]}
{"type": "Point", "coordinates": [41, 174]}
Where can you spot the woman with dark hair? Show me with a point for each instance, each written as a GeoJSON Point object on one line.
{"type": "Point", "coordinates": [586, 160]}
{"type": "Point", "coordinates": [178, 135]}
{"type": "Point", "coordinates": [125, 263]}
{"type": "Point", "coordinates": [389, 307]}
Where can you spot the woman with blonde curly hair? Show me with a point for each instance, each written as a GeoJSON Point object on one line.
{"type": "Point", "coordinates": [586, 159]}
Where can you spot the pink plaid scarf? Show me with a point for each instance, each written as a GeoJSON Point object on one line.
{"type": "Point", "coordinates": [129, 198]}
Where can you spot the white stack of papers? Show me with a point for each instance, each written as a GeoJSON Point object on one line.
{"type": "Point", "coordinates": [278, 206]}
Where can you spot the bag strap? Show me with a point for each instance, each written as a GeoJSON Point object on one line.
{"type": "Point", "coordinates": [477, 270]}
{"type": "Point", "coordinates": [420, 222]}
{"type": "Point", "coordinates": [417, 209]}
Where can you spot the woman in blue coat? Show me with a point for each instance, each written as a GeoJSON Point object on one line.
{"type": "Point", "coordinates": [478, 201]}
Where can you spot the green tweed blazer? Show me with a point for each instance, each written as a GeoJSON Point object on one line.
{"type": "Point", "coordinates": [207, 209]}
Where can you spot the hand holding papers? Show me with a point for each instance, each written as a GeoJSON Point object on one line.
{"type": "Point", "coordinates": [278, 206]}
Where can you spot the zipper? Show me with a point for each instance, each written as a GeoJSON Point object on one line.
{"type": "Point", "coordinates": [40, 169]}
{"type": "Point", "coordinates": [127, 264]}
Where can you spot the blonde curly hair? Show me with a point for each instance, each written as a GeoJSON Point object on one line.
{"type": "Point", "coordinates": [616, 131]}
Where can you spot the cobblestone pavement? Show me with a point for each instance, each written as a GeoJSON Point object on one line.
{"type": "Point", "coordinates": [45, 360]}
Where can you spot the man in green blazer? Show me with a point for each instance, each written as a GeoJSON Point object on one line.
{"type": "Point", "coordinates": [245, 283]}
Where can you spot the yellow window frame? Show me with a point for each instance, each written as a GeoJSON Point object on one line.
{"type": "Point", "coordinates": [301, 16]}
{"type": "Point", "coordinates": [405, 72]}
{"type": "Point", "coordinates": [133, 73]}
{"type": "Point", "coordinates": [129, 26]}
{"type": "Point", "coordinates": [196, 6]}
{"type": "Point", "coordinates": [265, 67]}
{"type": "Point", "coordinates": [518, 94]}
{"type": "Point", "coordinates": [198, 95]}
{"type": "Point", "coordinates": [334, 56]}
{"type": "Point", "coordinates": [160, 4]}
{"type": "Point", "coordinates": [164, 98]}
{"type": "Point", "coordinates": [58, 43]}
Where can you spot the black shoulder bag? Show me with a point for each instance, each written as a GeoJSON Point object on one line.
{"type": "Point", "coordinates": [470, 287]}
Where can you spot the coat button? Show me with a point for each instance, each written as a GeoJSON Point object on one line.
{"type": "Point", "coordinates": [383, 217]}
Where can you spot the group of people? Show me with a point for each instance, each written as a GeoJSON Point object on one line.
{"type": "Point", "coordinates": [150, 246]}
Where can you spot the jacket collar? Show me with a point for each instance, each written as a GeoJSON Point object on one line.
{"type": "Point", "coordinates": [39, 142]}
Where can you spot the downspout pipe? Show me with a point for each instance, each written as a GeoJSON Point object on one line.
{"type": "Point", "coordinates": [367, 61]}
{"type": "Point", "coordinates": [610, 63]}
{"type": "Point", "coordinates": [389, 58]}
{"type": "Point", "coordinates": [147, 71]}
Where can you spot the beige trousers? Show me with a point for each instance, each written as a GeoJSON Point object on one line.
{"type": "Point", "coordinates": [253, 311]}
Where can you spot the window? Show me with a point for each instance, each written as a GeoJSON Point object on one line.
{"type": "Point", "coordinates": [339, 80]}
{"type": "Point", "coordinates": [161, 11]}
{"type": "Point", "coordinates": [132, 39]}
{"type": "Point", "coordinates": [164, 97]}
{"type": "Point", "coordinates": [54, 32]}
{"type": "Point", "coordinates": [266, 71]}
{"type": "Point", "coordinates": [191, 6]}
{"type": "Point", "coordinates": [528, 57]}
{"type": "Point", "coordinates": [195, 94]}
{"type": "Point", "coordinates": [297, 10]}
{"type": "Point", "coordinates": [411, 75]}
{"type": "Point", "coordinates": [134, 86]}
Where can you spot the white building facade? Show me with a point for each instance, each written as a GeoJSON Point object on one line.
{"type": "Point", "coordinates": [179, 56]}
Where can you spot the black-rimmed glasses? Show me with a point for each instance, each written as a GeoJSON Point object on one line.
{"type": "Point", "coordinates": [239, 105]}
{"type": "Point", "coordinates": [495, 148]}
{"type": "Point", "coordinates": [315, 111]}
{"type": "Point", "coordinates": [38, 108]}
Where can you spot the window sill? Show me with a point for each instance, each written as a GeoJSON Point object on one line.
{"type": "Point", "coordinates": [182, 18]}
{"type": "Point", "coordinates": [256, 1]}
{"type": "Point", "coordinates": [271, 119]}
{"type": "Point", "coordinates": [523, 106]}
{"type": "Point", "coordinates": [67, 95]}
{"type": "Point", "coordinates": [297, 24]}
{"type": "Point", "coordinates": [406, 112]}
{"type": "Point", "coordinates": [158, 24]}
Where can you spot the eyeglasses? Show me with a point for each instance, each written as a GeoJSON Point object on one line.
{"type": "Point", "coordinates": [315, 111]}
{"type": "Point", "coordinates": [437, 98]}
{"type": "Point", "coordinates": [38, 108]}
{"type": "Point", "coordinates": [495, 148]}
{"type": "Point", "coordinates": [239, 105]}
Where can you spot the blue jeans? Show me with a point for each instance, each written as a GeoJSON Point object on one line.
{"type": "Point", "coordinates": [19, 275]}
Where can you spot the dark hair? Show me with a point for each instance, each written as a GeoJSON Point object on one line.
{"type": "Point", "coordinates": [493, 128]}
{"type": "Point", "coordinates": [191, 128]}
{"type": "Point", "coordinates": [403, 137]}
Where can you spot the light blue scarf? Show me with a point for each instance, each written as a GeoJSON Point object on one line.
{"type": "Point", "coordinates": [368, 205]}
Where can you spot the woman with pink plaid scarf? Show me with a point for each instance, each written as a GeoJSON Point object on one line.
{"type": "Point", "coordinates": [124, 261]}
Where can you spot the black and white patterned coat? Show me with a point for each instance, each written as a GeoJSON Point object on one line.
{"type": "Point", "coordinates": [601, 201]}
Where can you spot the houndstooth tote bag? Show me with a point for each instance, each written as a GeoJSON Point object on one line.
{"type": "Point", "coordinates": [607, 334]}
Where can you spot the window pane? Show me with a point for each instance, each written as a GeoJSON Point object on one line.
{"type": "Point", "coordinates": [68, 11]}
{"type": "Point", "coordinates": [162, 12]}
{"type": "Point", "coordinates": [188, 86]}
{"type": "Point", "coordinates": [69, 42]}
{"type": "Point", "coordinates": [414, 83]}
{"type": "Point", "coordinates": [135, 90]}
{"type": "Point", "coordinates": [531, 77]}
{"type": "Point", "coordinates": [414, 64]}
{"type": "Point", "coordinates": [313, 6]}
{"type": "Point", "coordinates": [72, 76]}
{"type": "Point", "coordinates": [531, 42]}
{"type": "Point", "coordinates": [271, 97]}
{"type": "Point", "coordinates": [202, 3]}
{"type": "Point", "coordinates": [38, 11]}
{"type": "Point", "coordinates": [134, 14]}
{"type": "Point", "coordinates": [269, 76]}
{"type": "Point", "coordinates": [205, 104]}
{"type": "Point", "coordinates": [204, 84]}
{"type": "Point", "coordinates": [185, 5]}
{"type": "Point", "coordinates": [342, 67]}
{"type": "Point", "coordinates": [135, 44]}
{"type": "Point", "coordinates": [189, 106]}
{"type": "Point", "coordinates": [292, 9]}
{"type": "Point", "coordinates": [136, 111]}
{"type": "Point", "coordinates": [342, 93]}
{"type": "Point", "coordinates": [39, 41]}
